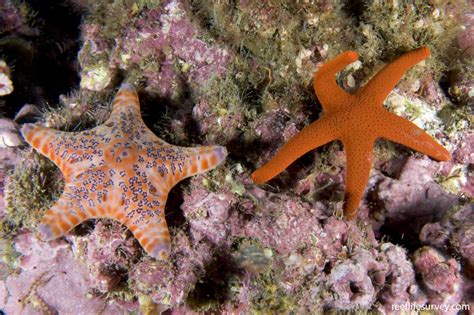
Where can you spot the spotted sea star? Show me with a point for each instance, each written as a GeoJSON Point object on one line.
{"type": "Point", "coordinates": [357, 120]}
{"type": "Point", "coordinates": [118, 170]}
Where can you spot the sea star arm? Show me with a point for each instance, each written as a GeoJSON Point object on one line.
{"type": "Point", "coordinates": [359, 160]}
{"type": "Point", "coordinates": [65, 214]}
{"type": "Point", "coordinates": [315, 135]}
{"type": "Point", "coordinates": [170, 164]}
{"type": "Point", "coordinates": [148, 225]}
{"type": "Point", "coordinates": [166, 165]}
{"type": "Point", "coordinates": [58, 146]}
{"type": "Point", "coordinates": [43, 139]}
{"type": "Point", "coordinates": [329, 93]}
{"type": "Point", "coordinates": [202, 159]}
{"type": "Point", "coordinates": [385, 80]}
{"type": "Point", "coordinates": [126, 98]}
{"type": "Point", "coordinates": [408, 134]}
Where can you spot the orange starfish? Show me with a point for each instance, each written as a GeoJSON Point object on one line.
{"type": "Point", "coordinates": [357, 120]}
{"type": "Point", "coordinates": [118, 170]}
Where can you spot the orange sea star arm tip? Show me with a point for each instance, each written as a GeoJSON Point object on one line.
{"type": "Point", "coordinates": [445, 156]}
{"type": "Point", "coordinates": [257, 177]}
{"type": "Point", "coordinates": [424, 51]}
{"type": "Point", "coordinates": [351, 55]}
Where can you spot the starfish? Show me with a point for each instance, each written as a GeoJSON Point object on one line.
{"type": "Point", "coordinates": [118, 170]}
{"type": "Point", "coordinates": [357, 120]}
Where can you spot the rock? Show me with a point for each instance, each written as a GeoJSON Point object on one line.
{"type": "Point", "coordinates": [28, 113]}
{"type": "Point", "coordinates": [9, 133]}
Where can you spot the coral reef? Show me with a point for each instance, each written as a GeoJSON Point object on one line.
{"type": "Point", "coordinates": [240, 74]}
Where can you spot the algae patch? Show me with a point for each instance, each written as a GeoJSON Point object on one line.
{"type": "Point", "coordinates": [30, 189]}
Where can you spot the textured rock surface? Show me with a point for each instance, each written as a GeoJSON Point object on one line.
{"type": "Point", "coordinates": [50, 279]}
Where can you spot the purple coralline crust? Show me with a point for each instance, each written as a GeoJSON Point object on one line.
{"type": "Point", "coordinates": [190, 258]}
{"type": "Point", "coordinates": [415, 194]}
{"type": "Point", "coordinates": [466, 37]}
{"type": "Point", "coordinates": [217, 127]}
{"type": "Point", "coordinates": [49, 278]}
{"type": "Point", "coordinates": [208, 216]}
{"type": "Point", "coordinates": [440, 276]}
{"type": "Point", "coordinates": [106, 242]}
{"type": "Point", "coordinates": [168, 283]}
{"type": "Point", "coordinates": [94, 39]}
{"type": "Point", "coordinates": [106, 251]}
{"type": "Point", "coordinates": [351, 282]}
{"type": "Point", "coordinates": [280, 222]}
{"type": "Point", "coordinates": [455, 230]}
{"type": "Point", "coordinates": [464, 154]}
{"type": "Point", "coordinates": [270, 126]}
{"type": "Point", "coordinates": [401, 286]}
{"type": "Point", "coordinates": [167, 32]}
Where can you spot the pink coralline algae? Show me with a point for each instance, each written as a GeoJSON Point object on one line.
{"type": "Point", "coordinates": [161, 44]}
{"type": "Point", "coordinates": [414, 198]}
{"type": "Point", "coordinates": [49, 279]}
{"type": "Point", "coordinates": [208, 217]}
{"type": "Point", "coordinates": [415, 194]}
{"type": "Point", "coordinates": [440, 276]}
{"type": "Point", "coordinates": [217, 127]}
{"type": "Point", "coordinates": [401, 286]}
{"type": "Point", "coordinates": [466, 37]}
{"type": "Point", "coordinates": [351, 281]}
{"type": "Point", "coordinates": [167, 34]}
{"type": "Point", "coordinates": [171, 283]}
{"type": "Point", "coordinates": [280, 222]}
{"type": "Point", "coordinates": [456, 232]}
{"type": "Point", "coordinates": [108, 251]}
{"type": "Point", "coordinates": [465, 155]}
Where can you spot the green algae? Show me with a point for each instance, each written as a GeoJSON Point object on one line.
{"type": "Point", "coordinates": [8, 257]}
{"type": "Point", "coordinates": [389, 28]}
{"type": "Point", "coordinates": [115, 15]}
{"type": "Point", "coordinates": [32, 187]}
{"type": "Point", "coordinates": [253, 256]}
{"type": "Point", "coordinates": [273, 34]}
{"type": "Point", "coordinates": [456, 119]}
{"type": "Point", "coordinates": [270, 297]}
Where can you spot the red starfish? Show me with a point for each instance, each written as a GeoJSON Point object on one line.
{"type": "Point", "coordinates": [357, 120]}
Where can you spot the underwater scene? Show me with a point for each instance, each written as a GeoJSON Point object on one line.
{"type": "Point", "coordinates": [236, 157]}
